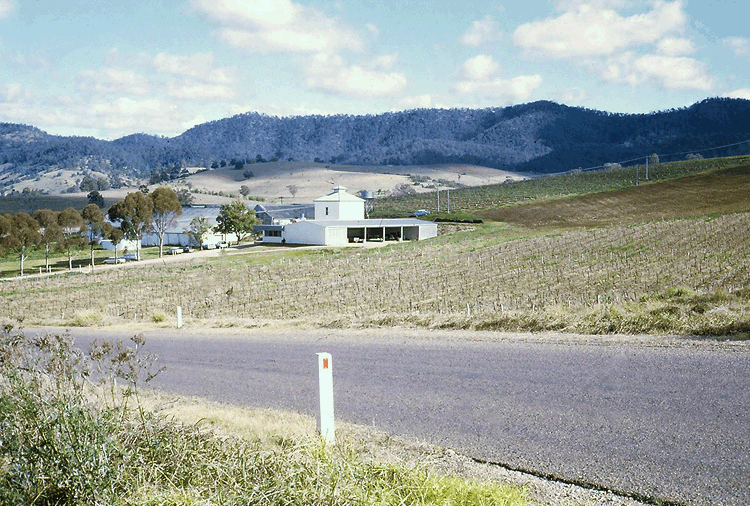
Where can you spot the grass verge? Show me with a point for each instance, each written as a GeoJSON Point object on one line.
{"type": "Point", "coordinates": [71, 436]}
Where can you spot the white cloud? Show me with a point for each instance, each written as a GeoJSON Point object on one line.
{"type": "Point", "coordinates": [672, 46]}
{"type": "Point", "coordinates": [385, 62]}
{"type": "Point", "coordinates": [480, 77]}
{"type": "Point", "coordinates": [596, 29]}
{"type": "Point", "coordinates": [201, 91]}
{"type": "Point", "coordinates": [373, 29]}
{"type": "Point", "coordinates": [513, 90]}
{"type": "Point", "coordinates": [36, 62]}
{"type": "Point", "coordinates": [331, 73]}
{"type": "Point", "coordinates": [671, 72]}
{"type": "Point", "coordinates": [740, 45]}
{"type": "Point", "coordinates": [480, 67]}
{"type": "Point", "coordinates": [425, 101]}
{"type": "Point", "coordinates": [480, 32]}
{"type": "Point", "coordinates": [6, 8]}
{"type": "Point", "coordinates": [573, 96]}
{"type": "Point", "coordinates": [113, 81]}
{"type": "Point", "coordinates": [741, 93]}
{"type": "Point", "coordinates": [14, 92]}
{"type": "Point", "coordinates": [198, 66]}
{"type": "Point", "coordinates": [272, 26]}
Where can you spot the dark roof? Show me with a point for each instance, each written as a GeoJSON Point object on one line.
{"type": "Point", "coordinates": [268, 212]}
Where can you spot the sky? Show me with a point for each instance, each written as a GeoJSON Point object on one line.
{"type": "Point", "coordinates": [107, 68]}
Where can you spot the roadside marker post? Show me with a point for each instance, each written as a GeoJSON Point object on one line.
{"type": "Point", "coordinates": [179, 317]}
{"type": "Point", "coordinates": [325, 387]}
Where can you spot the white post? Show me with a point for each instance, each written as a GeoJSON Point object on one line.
{"type": "Point", "coordinates": [325, 386]}
{"type": "Point", "coordinates": [179, 317]}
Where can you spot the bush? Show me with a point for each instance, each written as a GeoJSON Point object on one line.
{"type": "Point", "coordinates": [59, 445]}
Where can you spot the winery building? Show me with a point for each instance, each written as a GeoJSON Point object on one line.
{"type": "Point", "coordinates": [339, 219]}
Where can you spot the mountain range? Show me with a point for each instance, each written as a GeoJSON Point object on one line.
{"type": "Point", "coordinates": [539, 137]}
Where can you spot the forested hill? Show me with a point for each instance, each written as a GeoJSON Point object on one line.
{"type": "Point", "coordinates": [540, 137]}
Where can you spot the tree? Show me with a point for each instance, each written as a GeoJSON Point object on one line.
{"type": "Point", "coordinates": [72, 226]}
{"type": "Point", "coordinates": [185, 196]}
{"type": "Point", "coordinates": [95, 198]}
{"type": "Point", "coordinates": [50, 232]}
{"type": "Point", "coordinates": [114, 234]}
{"type": "Point", "coordinates": [244, 190]}
{"type": "Point", "coordinates": [199, 227]}
{"type": "Point", "coordinates": [22, 236]}
{"type": "Point", "coordinates": [134, 213]}
{"type": "Point", "coordinates": [166, 209]}
{"type": "Point", "coordinates": [93, 218]}
{"type": "Point", "coordinates": [293, 189]}
{"type": "Point", "coordinates": [236, 218]}
{"type": "Point", "coordinates": [403, 189]}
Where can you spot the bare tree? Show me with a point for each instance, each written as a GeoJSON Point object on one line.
{"type": "Point", "coordinates": [293, 189]}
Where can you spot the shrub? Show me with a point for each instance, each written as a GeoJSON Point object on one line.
{"type": "Point", "coordinates": [59, 446]}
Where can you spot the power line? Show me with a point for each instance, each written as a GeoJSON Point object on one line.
{"type": "Point", "coordinates": [667, 155]}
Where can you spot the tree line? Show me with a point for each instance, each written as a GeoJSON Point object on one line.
{"type": "Point", "coordinates": [72, 231]}
{"type": "Point", "coordinates": [540, 137]}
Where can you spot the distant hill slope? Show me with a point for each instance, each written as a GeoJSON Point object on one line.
{"type": "Point", "coordinates": [541, 137]}
{"type": "Point", "coordinates": [720, 191]}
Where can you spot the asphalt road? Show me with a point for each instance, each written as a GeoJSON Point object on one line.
{"type": "Point", "coordinates": [664, 422]}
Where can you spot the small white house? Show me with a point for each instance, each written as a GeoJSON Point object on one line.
{"type": "Point", "coordinates": [339, 220]}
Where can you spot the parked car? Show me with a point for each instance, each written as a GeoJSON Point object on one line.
{"type": "Point", "coordinates": [174, 251]}
{"type": "Point", "coordinates": [187, 249]}
{"type": "Point", "coordinates": [222, 245]}
{"type": "Point", "coordinates": [420, 212]}
{"type": "Point", "coordinates": [208, 246]}
{"type": "Point", "coordinates": [130, 257]}
{"type": "Point", "coordinates": [114, 260]}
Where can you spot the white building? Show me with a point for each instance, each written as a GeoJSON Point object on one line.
{"type": "Point", "coordinates": [177, 235]}
{"type": "Point", "coordinates": [339, 220]}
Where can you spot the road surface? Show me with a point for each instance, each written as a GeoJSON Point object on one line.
{"type": "Point", "coordinates": [659, 419]}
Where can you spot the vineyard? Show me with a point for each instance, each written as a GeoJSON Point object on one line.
{"type": "Point", "coordinates": [688, 276]}
{"type": "Point", "coordinates": [551, 187]}
{"type": "Point", "coordinates": [650, 266]}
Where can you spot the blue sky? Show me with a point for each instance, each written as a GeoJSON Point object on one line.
{"type": "Point", "coordinates": [110, 68]}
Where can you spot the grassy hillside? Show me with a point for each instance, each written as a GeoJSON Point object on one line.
{"type": "Point", "coordinates": [718, 191]}
{"type": "Point", "coordinates": [492, 197]}
{"type": "Point", "coordinates": [666, 257]}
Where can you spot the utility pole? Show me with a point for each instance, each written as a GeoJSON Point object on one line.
{"type": "Point", "coordinates": [437, 185]}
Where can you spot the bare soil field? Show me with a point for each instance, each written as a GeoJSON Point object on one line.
{"type": "Point", "coordinates": [270, 183]}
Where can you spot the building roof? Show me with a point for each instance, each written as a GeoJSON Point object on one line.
{"type": "Point", "coordinates": [394, 222]}
{"type": "Point", "coordinates": [285, 212]}
{"type": "Point", "coordinates": [339, 195]}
